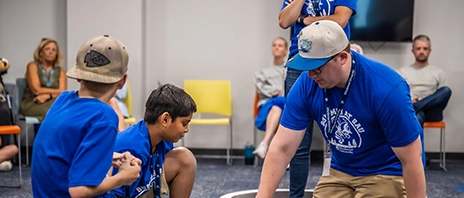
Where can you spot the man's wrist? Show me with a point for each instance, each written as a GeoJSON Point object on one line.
{"type": "Point", "coordinates": [301, 19]}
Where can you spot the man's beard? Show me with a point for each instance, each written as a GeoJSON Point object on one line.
{"type": "Point", "coordinates": [422, 60]}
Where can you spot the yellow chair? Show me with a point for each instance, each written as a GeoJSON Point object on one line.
{"type": "Point", "coordinates": [212, 97]}
{"type": "Point", "coordinates": [128, 102]}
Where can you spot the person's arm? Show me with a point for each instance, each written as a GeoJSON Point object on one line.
{"type": "Point", "coordinates": [294, 121]}
{"type": "Point", "coordinates": [281, 150]}
{"type": "Point", "coordinates": [87, 174]}
{"type": "Point", "coordinates": [109, 183]}
{"type": "Point", "coordinates": [341, 15]}
{"type": "Point", "coordinates": [290, 12]}
{"type": "Point", "coordinates": [33, 81]}
{"type": "Point", "coordinates": [264, 87]}
{"type": "Point", "coordinates": [441, 79]}
{"type": "Point", "coordinates": [63, 83]}
{"type": "Point", "coordinates": [403, 132]}
{"type": "Point", "coordinates": [413, 169]}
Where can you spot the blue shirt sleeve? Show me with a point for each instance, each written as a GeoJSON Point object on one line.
{"type": "Point", "coordinates": [352, 4]}
{"type": "Point", "coordinates": [93, 157]}
{"type": "Point", "coordinates": [296, 114]}
{"type": "Point", "coordinates": [397, 117]}
{"type": "Point", "coordinates": [284, 4]}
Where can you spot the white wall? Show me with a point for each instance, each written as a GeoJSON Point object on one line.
{"type": "Point", "coordinates": [210, 39]}
{"type": "Point", "coordinates": [23, 24]}
{"type": "Point", "coordinates": [118, 18]}
{"type": "Point", "coordinates": [169, 41]}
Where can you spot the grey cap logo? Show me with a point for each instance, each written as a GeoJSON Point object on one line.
{"type": "Point", "coordinates": [96, 59]}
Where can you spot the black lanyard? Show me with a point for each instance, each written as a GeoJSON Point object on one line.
{"type": "Point", "coordinates": [331, 126]}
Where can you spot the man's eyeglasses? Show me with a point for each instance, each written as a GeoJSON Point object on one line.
{"type": "Point", "coordinates": [318, 70]}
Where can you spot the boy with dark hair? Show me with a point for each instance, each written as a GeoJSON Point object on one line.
{"type": "Point", "coordinates": [168, 112]}
{"type": "Point", "coordinates": [73, 149]}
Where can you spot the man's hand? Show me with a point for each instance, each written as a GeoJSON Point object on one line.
{"type": "Point", "coordinates": [41, 98]}
{"type": "Point", "coordinates": [414, 100]}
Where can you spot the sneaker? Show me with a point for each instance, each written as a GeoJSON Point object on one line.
{"type": "Point", "coordinates": [6, 166]}
{"type": "Point", "coordinates": [261, 150]}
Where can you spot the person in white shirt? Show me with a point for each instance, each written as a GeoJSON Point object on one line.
{"type": "Point", "coordinates": [269, 85]}
{"type": "Point", "coordinates": [427, 83]}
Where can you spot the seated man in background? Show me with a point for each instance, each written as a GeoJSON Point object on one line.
{"type": "Point", "coordinates": [269, 85]}
{"type": "Point", "coordinates": [427, 83]}
{"type": "Point", "coordinates": [165, 169]}
{"type": "Point", "coordinates": [7, 152]}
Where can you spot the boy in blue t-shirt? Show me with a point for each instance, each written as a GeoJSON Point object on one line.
{"type": "Point", "coordinates": [73, 152]}
{"type": "Point", "coordinates": [365, 113]}
{"type": "Point", "coordinates": [165, 169]}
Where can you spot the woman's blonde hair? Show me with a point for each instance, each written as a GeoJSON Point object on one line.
{"type": "Point", "coordinates": [42, 44]}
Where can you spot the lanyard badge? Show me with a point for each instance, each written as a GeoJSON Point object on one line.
{"type": "Point", "coordinates": [331, 126]}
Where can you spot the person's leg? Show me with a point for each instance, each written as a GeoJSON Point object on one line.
{"type": "Point", "coordinates": [180, 168]}
{"type": "Point", "coordinates": [336, 184]}
{"type": "Point", "coordinates": [8, 152]}
{"type": "Point", "coordinates": [299, 165]}
{"type": "Point", "coordinates": [272, 122]}
{"type": "Point", "coordinates": [114, 104]}
{"type": "Point", "coordinates": [421, 117]}
{"type": "Point", "coordinates": [379, 186]}
{"type": "Point", "coordinates": [434, 104]}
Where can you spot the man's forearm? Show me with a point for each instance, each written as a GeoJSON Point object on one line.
{"type": "Point", "coordinates": [290, 14]}
{"type": "Point", "coordinates": [414, 180]}
{"type": "Point", "coordinates": [273, 171]}
{"type": "Point", "coordinates": [341, 16]}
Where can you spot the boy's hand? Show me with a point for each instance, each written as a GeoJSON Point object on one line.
{"type": "Point", "coordinates": [118, 158]}
{"type": "Point", "coordinates": [129, 170]}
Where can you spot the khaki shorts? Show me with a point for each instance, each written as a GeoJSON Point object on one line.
{"type": "Point", "coordinates": [339, 184]}
{"type": "Point", "coordinates": [164, 188]}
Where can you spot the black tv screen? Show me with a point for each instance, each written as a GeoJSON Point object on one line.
{"type": "Point", "coordinates": [383, 20]}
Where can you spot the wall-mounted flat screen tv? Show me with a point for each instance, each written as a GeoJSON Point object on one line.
{"type": "Point", "coordinates": [383, 20]}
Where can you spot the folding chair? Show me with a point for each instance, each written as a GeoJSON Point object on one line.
{"type": "Point", "coordinates": [442, 126]}
{"type": "Point", "coordinates": [19, 93]}
{"type": "Point", "coordinates": [13, 130]}
{"type": "Point", "coordinates": [212, 97]}
{"type": "Point", "coordinates": [128, 102]}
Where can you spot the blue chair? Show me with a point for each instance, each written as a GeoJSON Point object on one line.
{"type": "Point", "coordinates": [19, 93]}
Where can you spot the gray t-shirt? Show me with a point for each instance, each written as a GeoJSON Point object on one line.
{"type": "Point", "coordinates": [269, 82]}
{"type": "Point", "coordinates": [423, 81]}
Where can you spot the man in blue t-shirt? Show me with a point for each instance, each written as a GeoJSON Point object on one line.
{"type": "Point", "coordinates": [165, 169]}
{"type": "Point", "coordinates": [73, 151]}
{"type": "Point", "coordinates": [298, 14]}
{"type": "Point", "coordinates": [365, 114]}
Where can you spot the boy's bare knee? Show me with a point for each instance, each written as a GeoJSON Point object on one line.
{"type": "Point", "coordinates": [183, 156]}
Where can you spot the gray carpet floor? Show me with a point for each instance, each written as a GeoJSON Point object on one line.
{"type": "Point", "coordinates": [215, 178]}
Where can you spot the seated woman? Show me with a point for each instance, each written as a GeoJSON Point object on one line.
{"type": "Point", "coordinates": [269, 85]}
{"type": "Point", "coordinates": [46, 79]}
